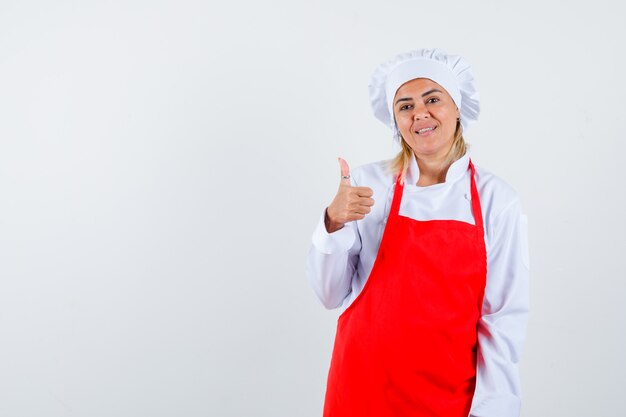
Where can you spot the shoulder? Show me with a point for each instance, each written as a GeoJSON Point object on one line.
{"type": "Point", "coordinates": [496, 195]}
{"type": "Point", "coordinates": [373, 174]}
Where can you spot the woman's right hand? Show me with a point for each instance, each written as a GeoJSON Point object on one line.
{"type": "Point", "coordinates": [350, 203]}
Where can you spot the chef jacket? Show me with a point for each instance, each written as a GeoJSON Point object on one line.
{"type": "Point", "coordinates": [339, 263]}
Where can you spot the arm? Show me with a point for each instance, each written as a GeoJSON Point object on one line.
{"type": "Point", "coordinates": [332, 262]}
{"type": "Point", "coordinates": [502, 327]}
{"type": "Point", "coordinates": [336, 241]}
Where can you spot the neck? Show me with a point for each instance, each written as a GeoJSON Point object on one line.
{"type": "Point", "coordinates": [433, 169]}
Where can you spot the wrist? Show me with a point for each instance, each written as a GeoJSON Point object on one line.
{"type": "Point", "coordinates": [331, 226]}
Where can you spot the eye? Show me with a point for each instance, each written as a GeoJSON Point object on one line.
{"type": "Point", "coordinates": [433, 100]}
{"type": "Point", "coordinates": [405, 107]}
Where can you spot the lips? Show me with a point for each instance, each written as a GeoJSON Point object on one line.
{"type": "Point", "coordinates": [425, 129]}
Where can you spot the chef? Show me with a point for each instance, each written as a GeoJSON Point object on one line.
{"type": "Point", "coordinates": [426, 256]}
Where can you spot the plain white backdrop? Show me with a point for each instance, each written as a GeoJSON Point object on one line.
{"type": "Point", "coordinates": [163, 165]}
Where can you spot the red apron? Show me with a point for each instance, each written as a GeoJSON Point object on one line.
{"type": "Point", "coordinates": [406, 346]}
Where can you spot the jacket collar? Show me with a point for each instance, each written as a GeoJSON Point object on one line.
{"type": "Point", "coordinates": [455, 172]}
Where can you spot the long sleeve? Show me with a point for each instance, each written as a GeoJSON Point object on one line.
{"type": "Point", "coordinates": [502, 327]}
{"type": "Point", "coordinates": [332, 261]}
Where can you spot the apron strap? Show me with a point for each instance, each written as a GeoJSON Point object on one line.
{"type": "Point", "coordinates": [478, 214]}
{"type": "Point", "coordinates": [397, 197]}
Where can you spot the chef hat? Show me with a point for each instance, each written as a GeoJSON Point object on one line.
{"type": "Point", "coordinates": [452, 72]}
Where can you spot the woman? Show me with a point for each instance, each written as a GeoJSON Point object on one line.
{"type": "Point", "coordinates": [427, 257]}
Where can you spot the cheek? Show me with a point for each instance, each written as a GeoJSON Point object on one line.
{"type": "Point", "coordinates": [403, 122]}
{"type": "Point", "coordinates": [445, 118]}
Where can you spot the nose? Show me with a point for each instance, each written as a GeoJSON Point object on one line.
{"type": "Point", "coordinates": [420, 112]}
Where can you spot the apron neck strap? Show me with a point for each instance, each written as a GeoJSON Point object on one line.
{"type": "Point", "coordinates": [478, 214]}
{"type": "Point", "coordinates": [397, 196]}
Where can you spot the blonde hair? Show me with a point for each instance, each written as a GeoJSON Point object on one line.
{"type": "Point", "coordinates": [401, 162]}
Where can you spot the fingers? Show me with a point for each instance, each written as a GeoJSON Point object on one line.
{"type": "Point", "coordinates": [364, 191]}
{"type": "Point", "coordinates": [366, 201]}
{"type": "Point", "coordinates": [350, 203]}
{"type": "Point", "coordinates": [362, 206]}
{"type": "Point", "coordinates": [345, 171]}
{"type": "Point", "coordinates": [358, 206]}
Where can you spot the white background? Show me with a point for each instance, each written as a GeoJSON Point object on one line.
{"type": "Point", "coordinates": [163, 165]}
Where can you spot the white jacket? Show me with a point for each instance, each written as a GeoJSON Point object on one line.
{"type": "Point", "coordinates": [339, 263]}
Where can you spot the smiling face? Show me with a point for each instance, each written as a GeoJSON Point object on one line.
{"type": "Point", "coordinates": [426, 116]}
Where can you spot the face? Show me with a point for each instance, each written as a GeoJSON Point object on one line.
{"type": "Point", "coordinates": [426, 117]}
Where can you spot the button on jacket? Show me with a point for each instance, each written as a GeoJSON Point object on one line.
{"type": "Point", "coordinates": [340, 263]}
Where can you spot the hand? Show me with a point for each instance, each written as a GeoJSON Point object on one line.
{"type": "Point", "coordinates": [350, 203]}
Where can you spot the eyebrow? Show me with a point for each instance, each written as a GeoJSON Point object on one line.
{"type": "Point", "coordinates": [434, 90]}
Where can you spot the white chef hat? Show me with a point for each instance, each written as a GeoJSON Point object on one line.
{"type": "Point", "coordinates": [452, 72]}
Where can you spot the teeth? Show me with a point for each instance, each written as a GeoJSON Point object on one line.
{"type": "Point", "coordinates": [426, 129]}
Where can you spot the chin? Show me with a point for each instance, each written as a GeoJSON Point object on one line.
{"type": "Point", "coordinates": [424, 148]}
{"type": "Point", "coordinates": [427, 149]}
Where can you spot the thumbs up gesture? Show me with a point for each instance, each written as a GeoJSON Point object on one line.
{"type": "Point", "coordinates": [350, 203]}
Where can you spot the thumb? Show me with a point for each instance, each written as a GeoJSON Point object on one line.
{"type": "Point", "coordinates": [345, 171]}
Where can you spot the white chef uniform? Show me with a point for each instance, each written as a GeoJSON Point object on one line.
{"type": "Point", "coordinates": [339, 264]}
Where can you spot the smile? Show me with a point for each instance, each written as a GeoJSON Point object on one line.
{"type": "Point", "coordinates": [425, 130]}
